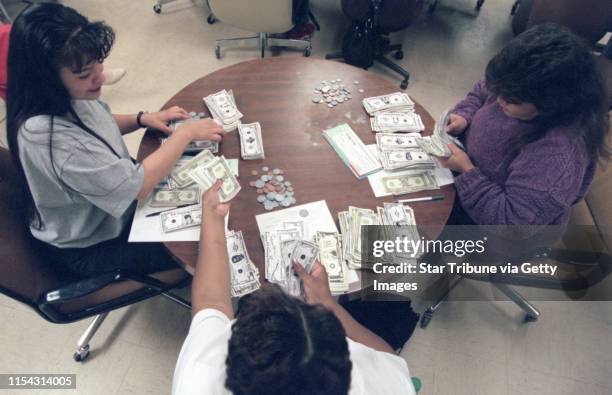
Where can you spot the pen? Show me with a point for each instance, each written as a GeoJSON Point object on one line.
{"type": "Point", "coordinates": [421, 199]}
{"type": "Point", "coordinates": [170, 209]}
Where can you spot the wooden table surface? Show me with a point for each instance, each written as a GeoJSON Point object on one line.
{"type": "Point", "coordinates": [277, 92]}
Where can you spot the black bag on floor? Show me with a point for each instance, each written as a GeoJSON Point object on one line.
{"type": "Point", "coordinates": [359, 44]}
{"type": "Point", "coordinates": [394, 321]}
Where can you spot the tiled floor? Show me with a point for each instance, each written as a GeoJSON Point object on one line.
{"type": "Point", "coordinates": [469, 348]}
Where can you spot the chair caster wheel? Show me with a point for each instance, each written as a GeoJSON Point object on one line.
{"type": "Point", "coordinates": [157, 8]}
{"type": "Point", "coordinates": [479, 4]}
{"type": "Point", "coordinates": [426, 318]}
{"type": "Point", "coordinates": [307, 52]}
{"type": "Point", "coordinates": [404, 84]}
{"type": "Point", "coordinates": [81, 354]}
{"type": "Point", "coordinates": [514, 8]}
{"type": "Point", "coordinates": [529, 318]}
{"type": "Point", "coordinates": [218, 52]}
{"type": "Point", "coordinates": [211, 19]}
{"type": "Point", "coordinates": [399, 55]}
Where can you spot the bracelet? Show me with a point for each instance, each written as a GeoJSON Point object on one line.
{"type": "Point", "coordinates": [140, 114]}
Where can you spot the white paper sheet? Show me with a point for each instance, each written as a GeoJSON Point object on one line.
{"type": "Point", "coordinates": [316, 216]}
{"type": "Point", "coordinates": [443, 176]}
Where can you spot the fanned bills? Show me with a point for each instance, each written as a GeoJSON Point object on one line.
{"type": "Point", "coordinates": [206, 174]}
{"type": "Point", "coordinates": [330, 256]}
{"type": "Point", "coordinates": [437, 144]}
{"type": "Point", "coordinates": [251, 142]}
{"type": "Point", "coordinates": [243, 273]}
{"type": "Point", "coordinates": [181, 175]}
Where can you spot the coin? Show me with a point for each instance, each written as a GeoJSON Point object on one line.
{"type": "Point", "coordinates": [254, 172]}
{"type": "Point", "coordinates": [261, 198]}
{"type": "Point", "coordinates": [316, 99]}
{"type": "Point", "coordinates": [279, 197]}
{"type": "Point", "coordinates": [276, 171]}
{"type": "Point", "coordinates": [361, 90]}
{"type": "Point", "coordinates": [192, 114]}
{"type": "Point", "coordinates": [259, 184]}
{"type": "Point", "coordinates": [265, 168]}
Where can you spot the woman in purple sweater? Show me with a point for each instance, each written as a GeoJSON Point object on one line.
{"type": "Point", "coordinates": [533, 132]}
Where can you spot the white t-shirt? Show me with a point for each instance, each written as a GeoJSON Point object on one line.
{"type": "Point", "coordinates": [201, 364]}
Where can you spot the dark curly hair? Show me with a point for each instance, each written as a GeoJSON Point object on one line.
{"type": "Point", "coordinates": [553, 69]}
{"type": "Point", "coordinates": [280, 345]}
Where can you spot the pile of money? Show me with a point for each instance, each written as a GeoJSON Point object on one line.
{"type": "Point", "coordinates": [399, 220]}
{"type": "Point", "coordinates": [273, 190]}
{"type": "Point", "coordinates": [251, 143]}
{"type": "Point", "coordinates": [330, 256]}
{"type": "Point", "coordinates": [196, 145]}
{"type": "Point", "coordinates": [222, 107]}
{"type": "Point", "coordinates": [282, 248]}
{"type": "Point", "coordinates": [181, 218]}
{"type": "Point", "coordinates": [206, 174]}
{"type": "Point", "coordinates": [408, 183]}
{"type": "Point", "coordinates": [331, 93]}
{"type": "Point", "coordinates": [389, 122]}
{"type": "Point", "coordinates": [402, 151]}
{"type": "Point", "coordinates": [243, 273]}
{"type": "Point", "coordinates": [180, 175]}
{"type": "Point", "coordinates": [351, 222]}
{"type": "Point", "coordinates": [437, 144]}
{"type": "Point", "coordinates": [398, 102]}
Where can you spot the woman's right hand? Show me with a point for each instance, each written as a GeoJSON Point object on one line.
{"type": "Point", "coordinates": [456, 125]}
{"type": "Point", "coordinates": [203, 129]}
{"type": "Point", "coordinates": [316, 286]}
{"type": "Point", "coordinates": [210, 201]}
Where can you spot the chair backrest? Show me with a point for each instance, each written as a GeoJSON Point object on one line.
{"type": "Point", "coordinates": [23, 272]}
{"type": "Point", "coordinates": [262, 16]}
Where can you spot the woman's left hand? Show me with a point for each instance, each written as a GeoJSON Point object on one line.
{"type": "Point", "coordinates": [158, 120]}
{"type": "Point", "coordinates": [459, 161]}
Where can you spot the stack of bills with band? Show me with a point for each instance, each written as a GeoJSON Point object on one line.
{"type": "Point", "coordinates": [222, 107]}
{"type": "Point", "coordinates": [390, 122]}
{"type": "Point", "coordinates": [393, 102]}
{"type": "Point", "coordinates": [251, 142]}
{"type": "Point", "coordinates": [243, 272]}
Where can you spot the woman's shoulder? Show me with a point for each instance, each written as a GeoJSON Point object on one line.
{"type": "Point", "coordinates": [564, 141]}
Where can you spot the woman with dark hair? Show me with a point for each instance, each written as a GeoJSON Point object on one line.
{"type": "Point", "coordinates": [533, 132]}
{"type": "Point", "coordinates": [277, 344]}
{"type": "Point", "coordinates": [79, 181]}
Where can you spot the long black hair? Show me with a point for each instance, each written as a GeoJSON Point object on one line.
{"type": "Point", "coordinates": [44, 38]}
{"type": "Point", "coordinates": [553, 69]}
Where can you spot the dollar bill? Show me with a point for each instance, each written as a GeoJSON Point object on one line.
{"type": "Point", "coordinates": [389, 141]}
{"type": "Point", "coordinates": [396, 122]}
{"type": "Point", "coordinates": [251, 143]}
{"type": "Point", "coordinates": [181, 218]}
{"type": "Point", "coordinates": [408, 183]}
{"type": "Point", "coordinates": [330, 256]}
{"type": "Point", "coordinates": [244, 275]}
{"type": "Point", "coordinates": [222, 107]}
{"type": "Point", "coordinates": [395, 159]}
{"type": "Point", "coordinates": [171, 198]}
{"type": "Point", "coordinates": [304, 253]}
{"type": "Point", "coordinates": [397, 101]}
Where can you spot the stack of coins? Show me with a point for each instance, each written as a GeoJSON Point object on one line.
{"type": "Point", "coordinates": [331, 93]}
{"type": "Point", "coordinates": [197, 116]}
{"type": "Point", "coordinates": [273, 190]}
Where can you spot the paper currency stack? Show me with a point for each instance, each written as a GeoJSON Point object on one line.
{"type": "Point", "coordinates": [243, 272]}
{"type": "Point", "coordinates": [284, 246]}
{"type": "Point", "coordinates": [197, 145]}
{"type": "Point", "coordinates": [400, 184]}
{"type": "Point", "coordinates": [251, 142]}
{"type": "Point", "coordinates": [330, 256]}
{"type": "Point", "coordinates": [222, 107]}
{"type": "Point", "coordinates": [402, 151]}
{"type": "Point", "coordinates": [353, 220]}
{"type": "Point", "coordinates": [393, 113]}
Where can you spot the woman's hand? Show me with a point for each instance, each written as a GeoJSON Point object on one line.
{"type": "Point", "coordinates": [158, 120]}
{"type": "Point", "coordinates": [316, 286]}
{"type": "Point", "coordinates": [456, 125]}
{"type": "Point", "coordinates": [211, 204]}
{"type": "Point", "coordinates": [459, 161]}
{"type": "Point", "coordinates": [203, 129]}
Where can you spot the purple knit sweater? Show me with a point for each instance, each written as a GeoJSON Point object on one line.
{"type": "Point", "coordinates": [536, 186]}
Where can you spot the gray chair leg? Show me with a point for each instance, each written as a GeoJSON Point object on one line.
{"type": "Point", "coordinates": [531, 313]}
{"type": "Point", "coordinates": [428, 314]}
{"type": "Point", "coordinates": [82, 351]}
{"type": "Point", "coordinates": [177, 299]}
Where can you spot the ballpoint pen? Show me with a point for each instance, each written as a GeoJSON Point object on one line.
{"type": "Point", "coordinates": [421, 199]}
{"type": "Point", "coordinates": [170, 209]}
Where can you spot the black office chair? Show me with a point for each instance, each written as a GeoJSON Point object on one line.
{"type": "Point", "coordinates": [385, 17]}
{"type": "Point", "coordinates": [583, 254]}
{"type": "Point", "coordinates": [27, 276]}
{"type": "Point", "coordinates": [434, 4]}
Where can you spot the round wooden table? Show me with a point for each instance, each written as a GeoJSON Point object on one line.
{"type": "Point", "coordinates": [277, 92]}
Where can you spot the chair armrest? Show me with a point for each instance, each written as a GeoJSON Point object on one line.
{"type": "Point", "coordinates": [85, 287]}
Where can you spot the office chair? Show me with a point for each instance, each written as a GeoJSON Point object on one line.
{"type": "Point", "coordinates": [582, 255]}
{"type": "Point", "coordinates": [265, 16]}
{"type": "Point", "coordinates": [28, 277]}
{"type": "Point", "coordinates": [386, 17]}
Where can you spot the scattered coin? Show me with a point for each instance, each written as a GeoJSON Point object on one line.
{"type": "Point", "coordinates": [361, 90]}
